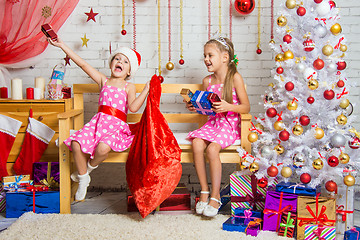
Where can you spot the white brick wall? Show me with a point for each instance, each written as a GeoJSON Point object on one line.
{"type": "Point", "coordinates": [254, 68]}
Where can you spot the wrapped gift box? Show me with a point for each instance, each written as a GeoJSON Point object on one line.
{"type": "Point", "coordinates": [298, 189]}
{"type": "Point", "coordinates": [2, 199]}
{"type": "Point", "coordinates": [246, 213]}
{"type": "Point", "coordinates": [18, 203]}
{"type": "Point", "coordinates": [352, 234]}
{"type": "Point", "coordinates": [201, 103]}
{"type": "Point", "coordinates": [187, 94]}
{"type": "Point", "coordinates": [251, 228]}
{"type": "Point", "coordinates": [312, 210]}
{"type": "Point", "coordinates": [232, 225]}
{"type": "Point", "coordinates": [287, 224]}
{"type": "Point", "coordinates": [315, 232]}
{"type": "Point", "coordinates": [47, 173]}
{"type": "Point", "coordinates": [344, 209]}
{"type": "Point", "coordinates": [245, 192]}
{"type": "Point", "coordinates": [275, 204]}
{"type": "Point", "coordinates": [14, 183]}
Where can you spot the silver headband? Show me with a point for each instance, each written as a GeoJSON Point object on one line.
{"type": "Point", "coordinates": [223, 42]}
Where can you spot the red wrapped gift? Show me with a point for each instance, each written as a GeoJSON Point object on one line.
{"type": "Point", "coordinates": [48, 31]}
{"type": "Point", "coordinates": [213, 97]}
{"type": "Point", "coordinates": [287, 224]}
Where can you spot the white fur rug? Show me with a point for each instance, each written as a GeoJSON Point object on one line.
{"type": "Point", "coordinates": [127, 226]}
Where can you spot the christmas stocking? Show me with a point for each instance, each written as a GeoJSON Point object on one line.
{"type": "Point", "coordinates": [36, 140]}
{"type": "Point", "coordinates": [9, 127]}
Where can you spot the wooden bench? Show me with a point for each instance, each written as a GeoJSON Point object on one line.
{"type": "Point", "coordinates": [75, 119]}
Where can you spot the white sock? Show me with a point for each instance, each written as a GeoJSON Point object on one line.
{"type": "Point", "coordinates": [84, 181]}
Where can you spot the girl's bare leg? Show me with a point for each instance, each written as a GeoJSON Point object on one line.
{"type": "Point", "coordinates": [212, 154]}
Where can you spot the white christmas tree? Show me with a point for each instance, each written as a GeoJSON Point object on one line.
{"type": "Point", "coordinates": [305, 134]}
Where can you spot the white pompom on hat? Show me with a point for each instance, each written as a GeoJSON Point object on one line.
{"type": "Point", "coordinates": [133, 56]}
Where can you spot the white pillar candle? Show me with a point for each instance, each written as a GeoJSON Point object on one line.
{"type": "Point", "coordinates": [37, 93]}
{"type": "Point", "coordinates": [40, 83]}
{"type": "Point", "coordinates": [16, 89]}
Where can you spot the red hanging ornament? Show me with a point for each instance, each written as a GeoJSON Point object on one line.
{"type": "Point", "coordinates": [318, 1]}
{"type": "Point", "coordinates": [305, 178]}
{"type": "Point", "coordinates": [271, 112]}
{"type": "Point", "coordinates": [318, 64]}
{"type": "Point", "coordinates": [310, 100]}
{"type": "Point", "coordinates": [309, 45]}
{"type": "Point", "coordinates": [304, 120]}
{"type": "Point", "coordinates": [258, 51]}
{"type": "Point", "coordinates": [354, 143]}
{"type": "Point", "coordinates": [289, 86]}
{"type": "Point", "coordinates": [244, 7]}
{"type": "Point", "coordinates": [279, 70]}
{"type": "Point", "coordinates": [331, 186]}
{"type": "Point", "coordinates": [272, 171]}
{"type": "Point", "coordinates": [123, 32]}
{"type": "Point", "coordinates": [341, 65]}
{"type": "Point", "coordinates": [333, 161]}
{"type": "Point", "coordinates": [181, 61]}
{"type": "Point", "coordinates": [287, 38]}
{"type": "Point", "coordinates": [262, 182]}
{"type": "Point", "coordinates": [301, 11]}
{"type": "Point", "coordinates": [332, 4]}
{"type": "Point", "coordinates": [329, 94]}
{"type": "Point", "coordinates": [161, 78]}
{"type": "Point", "coordinates": [340, 83]}
{"type": "Point", "coordinates": [284, 135]}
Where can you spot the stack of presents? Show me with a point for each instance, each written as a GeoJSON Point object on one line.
{"type": "Point", "coordinates": [37, 193]}
{"type": "Point", "coordinates": [292, 210]}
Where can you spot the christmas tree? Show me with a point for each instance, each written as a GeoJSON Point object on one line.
{"type": "Point", "coordinates": [305, 134]}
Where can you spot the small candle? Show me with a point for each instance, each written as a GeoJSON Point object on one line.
{"type": "Point", "coordinates": [40, 83]}
{"type": "Point", "coordinates": [37, 93]}
{"type": "Point", "coordinates": [30, 93]}
{"type": "Point", "coordinates": [3, 92]}
{"type": "Point", "coordinates": [16, 89]}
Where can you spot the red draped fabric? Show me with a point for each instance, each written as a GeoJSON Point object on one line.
{"type": "Point", "coordinates": [153, 168]}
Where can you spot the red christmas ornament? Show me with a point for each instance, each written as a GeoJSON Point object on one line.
{"type": "Point", "coordinates": [318, 1]}
{"type": "Point", "coordinates": [244, 7]}
{"type": "Point", "coordinates": [329, 94]}
{"type": "Point", "coordinates": [279, 70]}
{"type": "Point", "coordinates": [305, 178]}
{"type": "Point", "coordinates": [310, 100]}
{"type": "Point", "coordinates": [341, 65]}
{"type": "Point", "coordinates": [318, 64]}
{"type": "Point", "coordinates": [333, 161]}
{"type": "Point", "coordinates": [331, 186]}
{"type": "Point", "coordinates": [272, 171]}
{"type": "Point", "coordinates": [271, 112]}
{"type": "Point", "coordinates": [289, 86]}
{"type": "Point", "coordinates": [340, 83]}
{"type": "Point", "coordinates": [181, 61]}
{"type": "Point", "coordinates": [161, 78]}
{"type": "Point", "coordinates": [309, 45]}
{"type": "Point", "coordinates": [304, 120]}
{"type": "Point", "coordinates": [284, 135]}
{"type": "Point", "coordinates": [123, 32]}
{"type": "Point", "coordinates": [301, 11]}
{"type": "Point", "coordinates": [287, 38]}
{"type": "Point", "coordinates": [354, 143]}
{"type": "Point", "coordinates": [262, 182]}
{"type": "Point", "coordinates": [258, 51]}
{"type": "Point", "coordinates": [332, 4]}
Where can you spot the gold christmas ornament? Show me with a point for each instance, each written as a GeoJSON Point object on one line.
{"type": "Point", "coordinates": [318, 164]}
{"type": "Point", "coordinates": [327, 50]}
{"type": "Point", "coordinates": [272, 41]}
{"type": "Point", "coordinates": [279, 149]}
{"type": "Point", "coordinates": [349, 180]}
{"type": "Point", "coordinates": [335, 29]}
{"type": "Point", "coordinates": [292, 105]}
{"type": "Point", "coordinates": [169, 66]}
{"type": "Point", "coordinates": [288, 55]}
{"type": "Point", "coordinates": [297, 130]}
{"type": "Point", "coordinates": [242, 164]}
{"type": "Point", "coordinates": [319, 133]}
{"type": "Point", "coordinates": [279, 125]}
{"type": "Point", "coordinates": [341, 119]}
{"type": "Point", "coordinates": [254, 167]}
{"type": "Point", "coordinates": [290, 4]}
{"type": "Point", "coordinates": [279, 57]}
{"type": "Point", "coordinates": [344, 158]}
{"type": "Point", "coordinates": [344, 103]}
{"type": "Point", "coordinates": [343, 48]}
{"type": "Point", "coordinates": [286, 172]}
{"type": "Point", "coordinates": [253, 137]}
{"type": "Point", "coordinates": [313, 84]}
{"type": "Point", "coordinates": [281, 21]}
{"type": "Point", "coordinates": [259, 126]}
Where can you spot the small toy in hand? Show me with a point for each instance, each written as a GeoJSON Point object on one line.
{"type": "Point", "coordinates": [48, 31]}
{"type": "Point", "coordinates": [201, 100]}
{"type": "Point", "coordinates": [187, 94]}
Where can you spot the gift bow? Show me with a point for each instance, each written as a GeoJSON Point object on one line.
{"type": "Point", "coordinates": [340, 210]}
{"type": "Point", "coordinates": [318, 232]}
{"type": "Point", "coordinates": [247, 216]}
{"type": "Point", "coordinates": [296, 185]}
{"type": "Point", "coordinates": [289, 223]}
{"type": "Point", "coordinates": [51, 183]}
{"type": "Point", "coordinates": [279, 211]}
{"type": "Point", "coordinates": [354, 229]}
{"type": "Point", "coordinates": [254, 223]}
{"type": "Point", "coordinates": [34, 189]}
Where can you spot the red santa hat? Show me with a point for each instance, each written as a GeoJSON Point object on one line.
{"type": "Point", "coordinates": [133, 56]}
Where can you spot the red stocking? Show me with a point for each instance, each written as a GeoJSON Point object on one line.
{"type": "Point", "coordinates": [36, 140]}
{"type": "Point", "coordinates": [9, 127]}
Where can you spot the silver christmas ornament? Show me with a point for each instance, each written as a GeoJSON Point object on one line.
{"type": "Point", "coordinates": [266, 151]}
{"type": "Point", "coordinates": [320, 31]}
{"type": "Point", "coordinates": [298, 160]}
{"type": "Point", "coordinates": [331, 67]}
{"type": "Point", "coordinates": [337, 140]}
{"type": "Point", "coordinates": [300, 67]}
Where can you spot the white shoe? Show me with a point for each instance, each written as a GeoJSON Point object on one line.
{"type": "Point", "coordinates": [84, 181]}
{"type": "Point", "coordinates": [75, 175]}
{"type": "Point", "coordinates": [210, 211]}
{"type": "Point", "coordinates": [200, 205]}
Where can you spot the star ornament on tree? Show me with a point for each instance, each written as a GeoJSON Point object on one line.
{"type": "Point", "coordinates": [91, 15]}
{"type": "Point", "coordinates": [84, 40]}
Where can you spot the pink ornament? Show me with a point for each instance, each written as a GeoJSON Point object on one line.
{"type": "Point", "coordinates": [309, 45]}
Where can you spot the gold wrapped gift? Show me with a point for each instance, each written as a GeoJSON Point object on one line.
{"type": "Point", "coordinates": [186, 94]}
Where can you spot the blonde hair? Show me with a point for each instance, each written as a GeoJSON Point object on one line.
{"type": "Point", "coordinates": [225, 45]}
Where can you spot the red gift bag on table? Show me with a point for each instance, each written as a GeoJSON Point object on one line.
{"type": "Point", "coordinates": [153, 168]}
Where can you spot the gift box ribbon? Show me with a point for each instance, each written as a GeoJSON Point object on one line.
{"type": "Point", "coordinates": [318, 232]}
{"type": "Point", "coordinates": [354, 229]}
{"type": "Point", "coordinates": [15, 185]}
{"type": "Point", "coordinates": [49, 181]}
{"type": "Point", "coordinates": [279, 211]}
{"type": "Point", "coordinates": [199, 107]}
{"type": "Point", "coordinates": [248, 198]}
{"type": "Point", "coordinates": [289, 223]}
{"type": "Point", "coordinates": [256, 222]}
{"type": "Point", "coordinates": [317, 218]}
{"type": "Point", "coordinates": [340, 210]}
{"type": "Point", "coordinates": [247, 216]}
{"type": "Point", "coordinates": [295, 186]}
{"type": "Point", "coordinates": [34, 189]}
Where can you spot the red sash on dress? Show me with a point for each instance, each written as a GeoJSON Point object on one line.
{"type": "Point", "coordinates": [113, 112]}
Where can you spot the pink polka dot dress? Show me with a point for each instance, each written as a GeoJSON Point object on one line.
{"type": "Point", "coordinates": [103, 127]}
{"type": "Point", "coordinates": [222, 129]}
